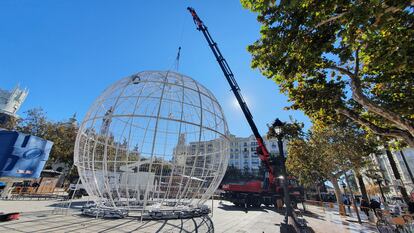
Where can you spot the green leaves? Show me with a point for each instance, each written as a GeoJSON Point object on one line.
{"type": "Point", "coordinates": [329, 151]}
{"type": "Point", "coordinates": [311, 48]}
{"type": "Point", "coordinates": [62, 134]}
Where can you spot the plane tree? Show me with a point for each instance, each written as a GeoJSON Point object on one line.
{"type": "Point", "coordinates": [327, 153]}
{"type": "Point", "coordinates": [341, 59]}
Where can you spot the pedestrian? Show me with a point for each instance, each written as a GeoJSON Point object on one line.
{"type": "Point", "coordinates": [374, 205]}
{"type": "Point", "coordinates": [397, 209]}
{"type": "Point", "coordinates": [365, 206]}
{"type": "Point", "coordinates": [346, 201]}
{"type": "Point", "coordinates": [411, 206]}
{"type": "Point", "coordinates": [357, 200]}
{"type": "Point", "coordinates": [279, 204]}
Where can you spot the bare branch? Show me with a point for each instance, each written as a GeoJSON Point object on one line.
{"type": "Point", "coordinates": [388, 9]}
{"type": "Point", "coordinates": [342, 70]}
{"type": "Point", "coordinates": [359, 97]}
{"type": "Point", "coordinates": [356, 73]}
{"type": "Point", "coordinates": [330, 19]}
{"type": "Point", "coordinates": [396, 133]}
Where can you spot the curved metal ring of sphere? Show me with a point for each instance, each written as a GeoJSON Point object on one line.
{"type": "Point", "coordinates": [156, 139]}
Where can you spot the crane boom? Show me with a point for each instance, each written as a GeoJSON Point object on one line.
{"type": "Point", "coordinates": [228, 74]}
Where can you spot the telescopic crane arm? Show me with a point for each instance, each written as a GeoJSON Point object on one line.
{"type": "Point", "coordinates": [262, 150]}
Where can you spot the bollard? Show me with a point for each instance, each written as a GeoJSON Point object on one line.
{"type": "Point", "coordinates": [371, 216]}
{"type": "Point", "coordinates": [331, 205]}
{"type": "Point", "coordinates": [342, 210]}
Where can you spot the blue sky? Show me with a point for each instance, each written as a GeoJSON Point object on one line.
{"type": "Point", "coordinates": [67, 52]}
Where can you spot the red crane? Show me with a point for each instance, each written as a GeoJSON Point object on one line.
{"type": "Point", "coordinates": [250, 191]}
{"type": "Point", "coordinates": [262, 150]}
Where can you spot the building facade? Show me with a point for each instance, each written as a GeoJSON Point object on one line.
{"type": "Point", "coordinates": [408, 153]}
{"type": "Point", "coordinates": [382, 163]}
{"type": "Point", "coordinates": [243, 154]}
{"type": "Point", "coordinates": [10, 101]}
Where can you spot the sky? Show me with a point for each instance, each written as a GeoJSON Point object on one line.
{"type": "Point", "coordinates": [67, 52]}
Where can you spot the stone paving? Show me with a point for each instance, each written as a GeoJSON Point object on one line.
{"type": "Point", "coordinates": [37, 217]}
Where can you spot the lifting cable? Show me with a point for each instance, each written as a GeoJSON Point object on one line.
{"type": "Point", "coordinates": [176, 63]}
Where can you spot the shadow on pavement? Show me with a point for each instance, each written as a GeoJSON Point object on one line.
{"type": "Point", "coordinates": [55, 223]}
{"type": "Point", "coordinates": [235, 208]}
{"type": "Point", "coordinates": [73, 205]}
{"type": "Point", "coordinates": [312, 215]}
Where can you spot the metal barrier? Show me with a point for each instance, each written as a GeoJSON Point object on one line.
{"type": "Point", "coordinates": [31, 193]}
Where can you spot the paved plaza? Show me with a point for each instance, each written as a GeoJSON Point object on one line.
{"type": "Point", "coordinates": [41, 216]}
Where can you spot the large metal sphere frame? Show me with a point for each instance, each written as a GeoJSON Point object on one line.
{"type": "Point", "coordinates": [154, 141]}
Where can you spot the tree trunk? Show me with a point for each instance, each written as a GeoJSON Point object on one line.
{"type": "Point", "coordinates": [319, 193]}
{"type": "Point", "coordinates": [338, 192]}
{"type": "Point", "coordinates": [396, 173]}
{"type": "Point", "coordinates": [338, 195]}
{"type": "Point", "coordinates": [361, 185]}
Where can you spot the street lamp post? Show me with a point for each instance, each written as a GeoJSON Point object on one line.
{"type": "Point", "coordinates": [346, 196]}
{"type": "Point", "coordinates": [377, 178]}
{"type": "Point", "coordinates": [352, 200]}
{"type": "Point", "coordinates": [278, 128]}
{"type": "Point", "coordinates": [379, 182]}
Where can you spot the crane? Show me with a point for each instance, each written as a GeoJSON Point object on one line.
{"type": "Point", "coordinates": [228, 74]}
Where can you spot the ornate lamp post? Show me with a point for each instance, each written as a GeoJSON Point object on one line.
{"type": "Point", "coordinates": [278, 129]}
{"type": "Point", "coordinates": [344, 187]}
{"type": "Point", "coordinates": [346, 197]}
{"type": "Point", "coordinates": [378, 179]}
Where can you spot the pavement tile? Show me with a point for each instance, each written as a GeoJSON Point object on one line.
{"type": "Point", "coordinates": [225, 218]}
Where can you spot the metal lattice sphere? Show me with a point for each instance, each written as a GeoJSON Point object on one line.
{"type": "Point", "coordinates": [156, 139]}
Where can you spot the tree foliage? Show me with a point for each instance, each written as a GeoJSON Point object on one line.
{"type": "Point", "coordinates": [291, 130]}
{"type": "Point", "coordinates": [62, 134]}
{"type": "Point", "coordinates": [329, 152]}
{"type": "Point", "coordinates": [8, 122]}
{"type": "Point", "coordinates": [341, 58]}
{"type": "Point", "coordinates": [234, 174]}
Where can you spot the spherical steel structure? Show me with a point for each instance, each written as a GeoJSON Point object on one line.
{"type": "Point", "coordinates": [154, 140]}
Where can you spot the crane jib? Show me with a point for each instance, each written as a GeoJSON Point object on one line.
{"type": "Point", "coordinates": [228, 74]}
